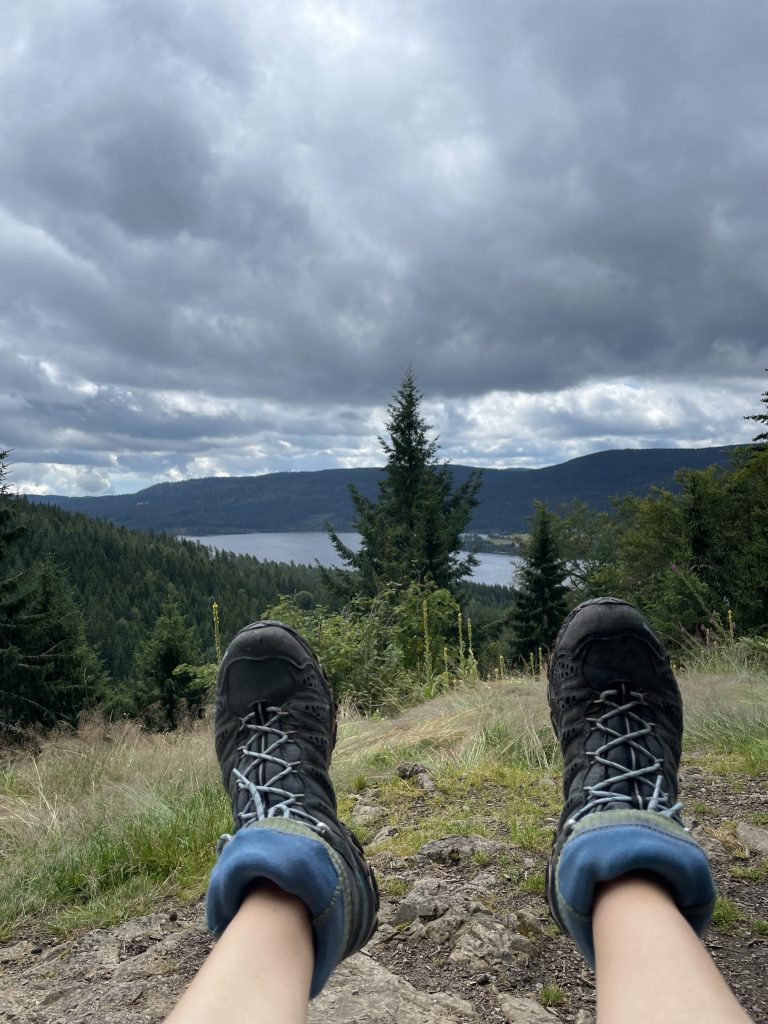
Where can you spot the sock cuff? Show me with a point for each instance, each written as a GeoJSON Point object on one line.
{"type": "Point", "coordinates": [295, 859]}
{"type": "Point", "coordinates": [607, 845]}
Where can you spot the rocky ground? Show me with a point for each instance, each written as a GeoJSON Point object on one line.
{"type": "Point", "coordinates": [464, 936]}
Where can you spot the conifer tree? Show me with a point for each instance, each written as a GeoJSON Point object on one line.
{"type": "Point", "coordinates": [540, 605]}
{"type": "Point", "coordinates": [761, 417]}
{"type": "Point", "coordinates": [170, 644]}
{"type": "Point", "coordinates": [14, 591]}
{"type": "Point", "coordinates": [48, 671]}
{"type": "Point", "coordinates": [412, 533]}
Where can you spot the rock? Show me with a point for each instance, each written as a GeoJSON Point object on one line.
{"type": "Point", "coordinates": [755, 839]}
{"type": "Point", "coordinates": [486, 941]}
{"type": "Point", "coordinates": [427, 900]}
{"type": "Point", "coordinates": [713, 848]}
{"type": "Point", "coordinates": [529, 924]}
{"type": "Point", "coordinates": [523, 1011]}
{"type": "Point", "coordinates": [443, 930]}
{"type": "Point", "coordinates": [388, 832]}
{"type": "Point", "coordinates": [18, 951]}
{"type": "Point", "coordinates": [367, 814]}
{"type": "Point", "coordinates": [361, 991]}
{"type": "Point", "coordinates": [383, 934]}
{"type": "Point", "coordinates": [452, 849]}
{"type": "Point", "coordinates": [417, 772]}
{"type": "Point", "coordinates": [455, 1004]}
{"type": "Point", "coordinates": [425, 783]}
{"type": "Point", "coordinates": [584, 1017]}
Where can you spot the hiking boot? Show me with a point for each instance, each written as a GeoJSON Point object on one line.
{"type": "Point", "coordinates": [275, 732]}
{"type": "Point", "coordinates": [617, 712]}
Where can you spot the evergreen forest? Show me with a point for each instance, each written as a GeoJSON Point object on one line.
{"type": "Point", "coordinates": [98, 615]}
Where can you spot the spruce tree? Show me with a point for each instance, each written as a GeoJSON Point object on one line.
{"type": "Point", "coordinates": [15, 602]}
{"type": "Point", "coordinates": [761, 417]}
{"type": "Point", "coordinates": [170, 644]}
{"type": "Point", "coordinates": [540, 605]}
{"type": "Point", "coordinates": [48, 671]}
{"type": "Point", "coordinates": [412, 533]}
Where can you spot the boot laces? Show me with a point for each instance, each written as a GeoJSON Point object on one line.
{"type": "Point", "coordinates": [266, 747]}
{"type": "Point", "coordinates": [647, 770]}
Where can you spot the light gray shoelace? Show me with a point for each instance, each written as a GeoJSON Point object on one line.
{"type": "Point", "coordinates": [648, 775]}
{"type": "Point", "coordinates": [270, 800]}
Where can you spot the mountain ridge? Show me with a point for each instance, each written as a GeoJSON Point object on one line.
{"type": "Point", "coordinates": [302, 500]}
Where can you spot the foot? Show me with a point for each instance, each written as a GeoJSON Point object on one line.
{"type": "Point", "coordinates": [617, 712]}
{"type": "Point", "coordinates": [275, 732]}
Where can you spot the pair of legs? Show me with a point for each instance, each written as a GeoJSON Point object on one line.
{"type": "Point", "coordinates": [657, 970]}
{"type": "Point", "coordinates": [292, 894]}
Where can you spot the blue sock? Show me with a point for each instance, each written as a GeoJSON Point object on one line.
{"type": "Point", "coordinates": [298, 861]}
{"type": "Point", "coordinates": [608, 844]}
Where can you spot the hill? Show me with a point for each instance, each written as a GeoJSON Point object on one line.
{"type": "Point", "coordinates": [285, 502]}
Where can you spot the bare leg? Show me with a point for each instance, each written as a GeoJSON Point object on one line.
{"type": "Point", "coordinates": [651, 967]}
{"type": "Point", "coordinates": [259, 972]}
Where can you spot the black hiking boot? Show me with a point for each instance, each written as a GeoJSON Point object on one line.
{"type": "Point", "coordinates": [275, 732]}
{"type": "Point", "coordinates": [617, 712]}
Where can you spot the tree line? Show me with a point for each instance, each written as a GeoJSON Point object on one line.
{"type": "Point", "coordinates": [92, 613]}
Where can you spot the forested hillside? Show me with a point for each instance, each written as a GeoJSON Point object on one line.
{"type": "Point", "coordinates": [306, 501]}
{"type": "Point", "coordinates": [121, 577]}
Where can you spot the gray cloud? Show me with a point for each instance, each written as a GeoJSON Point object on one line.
{"type": "Point", "coordinates": [226, 229]}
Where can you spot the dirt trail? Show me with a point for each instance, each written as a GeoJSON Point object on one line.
{"type": "Point", "coordinates": [462, 940]}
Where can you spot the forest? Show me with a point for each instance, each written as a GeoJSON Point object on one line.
{"type": "Point", "coordinates": [97, 615]}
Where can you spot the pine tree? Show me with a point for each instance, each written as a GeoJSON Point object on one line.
{"type": "Point", "coordinates": [15, 591]}
{"type": "Point", "coordinates": [170, 644]}
{"type": "Point", "coordinates": [48, 671]}
{"type": "Point", "coordinates": [540, 605]}
{"type": "Point", "coordinates": [412, 533]}
{"type": "Point", "coordinates": [761, 417]}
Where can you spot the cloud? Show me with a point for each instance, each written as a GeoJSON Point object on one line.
{"type": "Point", "coordinates": [227, 228]}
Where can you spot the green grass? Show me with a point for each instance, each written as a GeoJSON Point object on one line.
{"type": "Point", "coordinates": [726, 722]}
{"type": "Point", "coordinates": [535, 884]}
{"type": "Point", "coordinates": [107, 821]}
{"type": "Point", "coordinates": [104, 824]}
{"type": "Point", "coordinates": [726, 915]}
{"type": "Point", "coordinates": [551, 994]}
{"type": "Point", "coordinates": [755, 873]}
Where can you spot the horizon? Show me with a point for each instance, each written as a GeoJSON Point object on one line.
{"type": "Point", "coordinates": [246, 476]}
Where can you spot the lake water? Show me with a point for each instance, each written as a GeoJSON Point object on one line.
{"type": "Point", "coordinates": [308, 548]}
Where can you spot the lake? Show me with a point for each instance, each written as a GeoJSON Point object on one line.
{"type": "Point", "coordinates": [309, 548]}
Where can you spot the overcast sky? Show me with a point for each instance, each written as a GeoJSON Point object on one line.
{"type": "Point", "coordinates": [227, 227]}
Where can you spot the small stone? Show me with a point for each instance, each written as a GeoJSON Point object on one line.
{"type": "Point", "coordinates": [427, 900]}
{"type": "Point", "coordinates": [584, 1017]}
{"type": "Point", "coordinates": [455, 1004]}
{"type": "Point", "coordinates": [453, 849]}
{"type": "Point", "coordinates": [173, 916]}
{"type": "Point", "coordinates": [443, 930]}
{"type": "Point", "coordinates": [367, 814]}
{"type": "Point", "coordinates": [425, 783]}
{"type": "Point", "coordinates": [529, 924]}
{"type": "Point", "coordinates": [755, 839]}
{"type": "Point", "coordinates": [485, 941]}
{"type": "Point", "coordinates": [523, 1011]}
{"type": "Point", "coordinates": [388, 832]}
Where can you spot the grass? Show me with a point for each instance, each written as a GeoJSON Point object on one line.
{"type": "Point", "coordinates": [755, 873]}
{"type": "Point", "coordinates": [109, 820]}
{"type": "Point", "coordinates": [106, 822]}
{"type": "Point", "coordinates": [726, 721]}
{"type": "Point", "coordinates": [551, 994]}
{"type": "Point", "coordinates": [725, 915]}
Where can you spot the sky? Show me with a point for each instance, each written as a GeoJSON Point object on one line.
{"type": "Point", "coordinates": [227, 228]}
